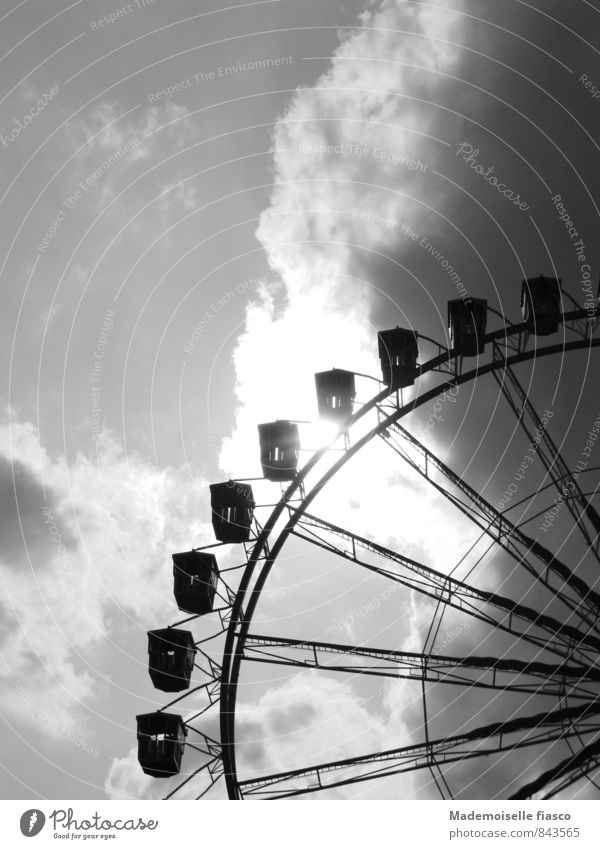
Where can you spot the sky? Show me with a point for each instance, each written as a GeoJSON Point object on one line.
{"type": "Point", "coordinates": [201, 206]}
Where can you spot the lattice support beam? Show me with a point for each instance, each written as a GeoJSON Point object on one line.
{"type": "Point", "coordinates": [571, 769]}
{"type": "Point", "coordinates": [468, 671]}
{"type": "Point", "coordinates": [542, 728]}
{"type": "Point", "coordinates": [506, 534]}
{"type": "Point", "coordinates": [581, 509]}
{"type": "Point", "coordinates": [553, 635]}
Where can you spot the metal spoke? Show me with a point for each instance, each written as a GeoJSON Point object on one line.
{"type": "Point", "coordinates": [433, 753]}
{"type": "Point", "coordinates": [487, 672]}
{"type": "Point", "coordinates": [560, 638]}
{"type": "Point", "coordinates": [571, 769]}
{"type": "Point", "coordinates": [580, 508]}
{"type": "Point", "coordinates": [209, 766]}
{"type": "Point", "coordinates": [506, 534]}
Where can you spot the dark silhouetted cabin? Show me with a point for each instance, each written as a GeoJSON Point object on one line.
{"type": "Point", "coordinates": [195, 579]}
{"type": "Point", "coordinates": [467, 320]}
{"type": "Point", "coordinates": [171, 654]}
{"type": "Point", "coordinates": [398, 352]}
{"type": "Point", "coordinates": [279, 449]}
{"type": "Point", "coordinates": [541, 304]}
{"type": "Point", "coordinates": [232, 511]}
{"type": "Point", "coordinates": [161, 739]}
{"type": "Point", "coordinates": [336, 391]}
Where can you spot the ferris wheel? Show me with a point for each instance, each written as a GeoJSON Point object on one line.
{"type": "Point", "coordinates": [532, 679]}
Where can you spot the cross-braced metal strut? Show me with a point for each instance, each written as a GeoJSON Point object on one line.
{"type": "Point", "coordinates": [586, 517]}
{"type": "Point", "coordinates": [570, 589]}
{"type": "Point", "coordinates": [519, 620]}
{"type": "Point", "coordinates": [541, 728]}
{"type": "Point", "coordinates": [505, 674]}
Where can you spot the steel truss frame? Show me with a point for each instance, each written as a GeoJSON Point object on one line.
{"type": "Point", "coordinates": [558, 725]}
{"type": "Point", "coordinates": [553, 635]}
{"type": "Point", "coordinates": [583, 511]}
{"type": "Point", "coordinates": [504, 532]}
{"type": "Point", "coordinates": [571, 641]}
{"type": "Point", "coordinates": [515, 351]}
{"type": "Point", "coordinates": [511, 675]}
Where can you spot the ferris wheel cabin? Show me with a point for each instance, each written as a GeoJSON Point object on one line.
{"type": "Point", "coordinates": [161, 740]}
{"type": "Point", "coordinates": [232, 511]}
{"type": "Point", "coordinates": [279, 450]}
{"type": "Point", "coordinates": [398, 352]}
{"type": "Point", "coordinates": [171, 654]}
{"type": "Point", "coordinates": [467, 320]}
{"type": "Point", "coordinates": [195, 579]}
{"type": "Point", "coordinates": [336, 391]}
{"type": "Point", "coordinates": [541, 304]}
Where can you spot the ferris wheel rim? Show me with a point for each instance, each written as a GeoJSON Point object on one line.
{"type": "Point", "coordinates": [233, 654]}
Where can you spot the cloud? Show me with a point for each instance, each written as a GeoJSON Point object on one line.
{"type": "Point", "coordinates": [350, 151]}
{"type": "Point", "coordinates": [346, 162]}
{"type": "Point", "coordinates": [21, 494]}
{"type": "Point", "coordinates": [351, 154]}
{"type": "Point", "coordinates": [87, 549]}
{"type": "Point", "coordinates": [177, 195]}
{"type": "Point", "coordinates": [125, 780]}
{"type": "Point", "coordinates": [107, 129]}
{"type": "Point", "coordinates": [108, 145]}
{"type": "Point", "coordinates": [310, 719]}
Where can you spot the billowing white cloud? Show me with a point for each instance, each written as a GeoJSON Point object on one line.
{"type": "Point", "coordinates": [312, 718]}
{"type": "Point", "coordinates": [347, 159]}
{"type": "Point", "coordinates": [87, 550]}
{"type": "Point", "coordinates": [352, 150]}
{"type": "Point", "coordinates": [351, 143]}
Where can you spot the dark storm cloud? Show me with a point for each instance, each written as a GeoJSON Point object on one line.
{"type": "Point", "coordinates": [516, 100]}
